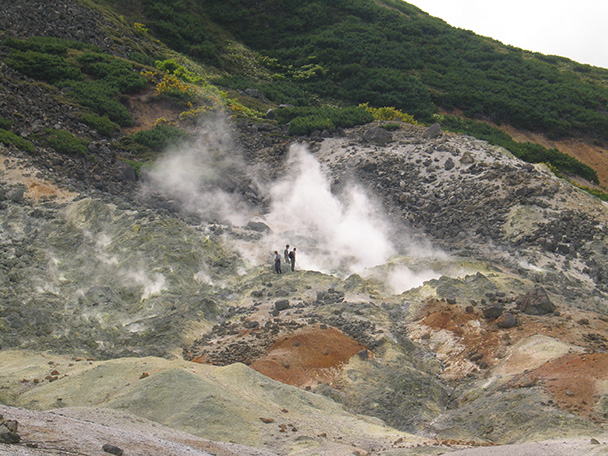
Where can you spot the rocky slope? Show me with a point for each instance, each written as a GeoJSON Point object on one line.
{"type": "Point", "coordinates": [447, 297]}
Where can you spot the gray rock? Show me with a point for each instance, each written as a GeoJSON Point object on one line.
{"type": "Point", "coordinates": [433, 131]}
{"type": "Point", "coordinates": [260, 227]}
{"type": "Point", "coordinates": [281, 304]}
{"type": "Point", "coordinates": [112, 449]}
{"type": "Point", "coordinates": [378, 136]}
{"type": "Point", "coordinates": [493, 311]}
{"type": "Point", "coordinates": [506, 320]}
{"type": "Point", "coordinates": [255, 93]}
{"type": "Point", "coordinates": [536, 302]}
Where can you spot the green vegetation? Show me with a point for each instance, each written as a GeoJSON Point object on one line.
{"type": "Point", "coordinates": [277, 91]}
{"type": "Point", "coordinates": [155, 139]}
{"type": "Point", "coordinates": [112, 71]}
{"type": "Point", "coordinates": [47, 45]}
{"type": "Point", "coordinates": [303, 121]}
{"type": "Point", "coordinates": [388, 113]}
{"type": "Point", "coordinates": [101, 98]}
{"type": "Point", "coordinates": [389, 53]}
{"type": "Point", "coordinates": [45, 67]}
{"type": "Point", "coordinates": [102, 124]}
{"type": "Point", "coordinates": [181, 26]}
{"type": "Point", "coordinates": [391, 126]}
{"type": "Point", "coordinates": [387, 57]}
{"type": "Point", "coordinates": [532, 153]}
{"type": "Point", "coordinates": [65, 142]}
{"type": "Point", "coordinates": [6, 124]}
{"type": "Point", "coordinates": [51, 60]}
{"type": "Point", "coordinates": [9, 138]}
{"type": "Point", "coordinates": [595, 192]}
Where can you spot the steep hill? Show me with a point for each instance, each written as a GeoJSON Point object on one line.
{"type": "Point", "coordinates": [447, 296]}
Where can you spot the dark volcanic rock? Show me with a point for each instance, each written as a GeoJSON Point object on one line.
{"type": "Point", "coordinates": [493, 311]}
{"type": "Point", "coordinates": [536, 302]}
{"type": "Point", "coordinates": [433, 131]}
{"type": "Point", "coordinates": [506, 320]}
{"type": "Point", "coordinates": [378, 136]}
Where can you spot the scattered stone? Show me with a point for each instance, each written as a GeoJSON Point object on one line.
{"type": "Point", "coordinates": [259, 227]}
{"type": "Point", "coordinates": [594, 442]}
{"type": "Point", "coordinates": [8, 431]}
{"type": "Point", "coordinates": [378, 136]}
{"type": "Point", "coordinates": [527, 381]}
{"type": "Point", "coordinates": [507, 320]}
{"type": "Point", "coordinates": [363, 354]}
{"type": "Point", "coordinates": [433, 131]}
{"type": "Point", "coordinates": [536, 302]}
{"type": "Point", "coordinates": [493, 311]}
{"type": "Point", "coordinates": [112, 449]}
{"type": "Point", "coordinates": [281, 304]}
{"type": "Point", "coordinates": [475, 357]}
{"type": "Point", "coordinates": [267, 420]}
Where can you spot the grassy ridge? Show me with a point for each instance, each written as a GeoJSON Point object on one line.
{"type": "Point", "coordinates": [392, 54]}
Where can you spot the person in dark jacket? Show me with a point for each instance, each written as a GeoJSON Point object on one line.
{"type": "Point", "coordinates": [292, 258]}
{"type": "Point", "coordinates": [277, 263]}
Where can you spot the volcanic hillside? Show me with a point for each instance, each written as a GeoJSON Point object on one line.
{"type": "Point", "coordinates": [447, 296]}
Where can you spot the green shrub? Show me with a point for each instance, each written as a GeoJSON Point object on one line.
{"type": "Point", "coordinates": [391, 126]}
{"type": "Point", "coordinates": [65, 142]}
{"type": "Point", "coordinates": [113, 71]}
{"type": "Point", "coordinates": [102, 124]}
{"type": "Point", "coordinates": [100, 97]}
{"type": "Point", "coordinates": [596, 192]}
{"type": "Point", "coordinates": [6, 124]}
{"type": "Point", "coordinates": [46, 67]}
{"type": "Point", "coordinates": [285, 92]}
{"type": "Point", "coordinates": [47, 45]}
{"type": "Point", "coordinates": [305, 125]}
{"type": "Point", "coordinates": [159, 137]}
{"type": "Point", "coordinates": [144, 59]}
{"type": "Point", "coordinates": [10, 138]}
{"type": "Point", "coordinates": [305, 120]}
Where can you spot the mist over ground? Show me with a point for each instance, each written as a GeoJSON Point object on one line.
{"type": "Point", "coordinates": [338, 234]}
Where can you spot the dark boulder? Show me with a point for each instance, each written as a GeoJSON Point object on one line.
{"type": "Point", "coordinates": [433, 131]}
{"type": "Point", "coordinates": [378, 136]}
{"type": "Point", "coordinates": [281, 304]}
{"type": "Point", "coordinates": [493, 311]}
{"type": "Point", "coordinates": [507, 320]}
{"type": "Point", "coordinates": [536, 302]}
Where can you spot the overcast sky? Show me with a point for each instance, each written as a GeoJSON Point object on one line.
{"type": "Point", "coordinates": [576, 29]}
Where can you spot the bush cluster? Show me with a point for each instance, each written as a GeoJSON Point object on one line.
{"type": "Point", "coordinates": [390, 54]}
{"type": "Point", "coordinates": [102, 124]}
{"type": "Point", "coordinates": [9, 138]}
{"type": "Point", "coordinates": [160, 137]}
{"type": "Point", "coordinates": [305, 120]}
{"type": "Point", "coordinates": [65, 142]}
{"type": "Point", "coordinates": [96, 79]}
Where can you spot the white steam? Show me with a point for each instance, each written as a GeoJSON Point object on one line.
{"type": "Point", "coordinates": [151, 284]}
{"type": "Point", "coordinates": [346, 234]}
{"type": "Point", "coordinates": [335, 234]}
{"type": "Point", "coordinates": [193, 174]}
{"type": "Point", "coordinates": [338, 234]}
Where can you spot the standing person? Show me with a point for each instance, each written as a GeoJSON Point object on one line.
{"type": "Point", "coordinates": [292, 258]}
{"type": "Point", "coordinates": [286, 254]}
{"type": "Point", "coordinates": [277, 263]}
